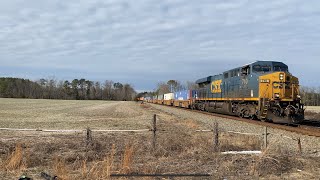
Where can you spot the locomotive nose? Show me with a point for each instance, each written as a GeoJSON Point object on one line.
{"type": "Point", "coordinates": [279, 86]}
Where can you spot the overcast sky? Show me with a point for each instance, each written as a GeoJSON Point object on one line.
{"type": "Point", "coordinates": [142, 42]}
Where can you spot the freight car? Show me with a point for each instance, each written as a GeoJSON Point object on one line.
{"type": "Point", "coordinates": [263, 90]}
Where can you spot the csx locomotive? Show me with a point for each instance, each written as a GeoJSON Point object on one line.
{"type": "Point", "coordinates": [263, 90]}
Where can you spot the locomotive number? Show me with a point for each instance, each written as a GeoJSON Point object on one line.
{"type": "Point", "coordinates": [264, 80]}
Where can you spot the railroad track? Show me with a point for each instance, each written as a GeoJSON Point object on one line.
{"type": "Point", "coordinates": [310, 128]}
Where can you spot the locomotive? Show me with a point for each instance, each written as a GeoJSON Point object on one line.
{"type": "Point", "coordinates": [263, 90]}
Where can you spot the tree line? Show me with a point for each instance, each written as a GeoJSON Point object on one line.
{"type": "Point", "coordinates": [77, 89]}
{"type": "Point", "coordinates": [83, 89]}
{"type": "Point", "coordinates": [310, 96]}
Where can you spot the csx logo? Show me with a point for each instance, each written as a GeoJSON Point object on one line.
{"type": "Point", "coordinates": [216, 86]}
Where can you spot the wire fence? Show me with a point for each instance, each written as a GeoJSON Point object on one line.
{"type": "Point", "coordinates": [216, 133]}
{"type": "Point", "coordinates": [154, 130]}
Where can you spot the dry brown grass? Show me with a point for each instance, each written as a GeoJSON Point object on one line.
{"type": "Point", "coordinates": [315, 109]}
{"type": "Point", "coordinates": [99, 170]}
{"type": "Point", "coordinates": [17, 159]}
{"type": "Point", "coordinates": [275, 162]}
{"type": "Point", "coordinates": [127, 159]}
{"type": "Point", "coordinates": [314, 116]}
{"type": "Point", "coordinates": [60, 168]}
{"type": "Point", "coordinates": [191, 124]}
{"type": "Point", "coordinates": [179, 150]}
{"type": "Point", "coordinates": [268, 165]}
{"type": "Point", "coordinates": [68, 114]}
{"type": "Point", "coordinates": [238, 142]}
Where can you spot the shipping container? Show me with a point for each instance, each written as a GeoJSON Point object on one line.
{"type": "Point", "coordinates": [194, 94]}
{"type": "Point", "coordinates": [147, 98]}
{"type": "Point", "coordinates": [168, 96]}
{"type": "Point", "coordinates": [160, 97]}
{"type": "Point", "coordinates": [182, 95]}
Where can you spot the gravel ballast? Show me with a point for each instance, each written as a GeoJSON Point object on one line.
{"type": "Point", "coordinates": [276, 138]}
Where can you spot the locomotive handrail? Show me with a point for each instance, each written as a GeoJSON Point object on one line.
{"type": "Point", "coordinates": [294, 87]}
{"type": "Point", "coordinates": [292, 90]}
{"type": "Point", "coordinates": [265, 92]}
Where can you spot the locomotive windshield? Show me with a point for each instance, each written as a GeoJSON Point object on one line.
{"type": "Point", "coordinates": [280, 68]}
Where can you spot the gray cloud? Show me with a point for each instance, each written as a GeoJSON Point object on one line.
{"type": "Point", "coordinates": [148, 39]}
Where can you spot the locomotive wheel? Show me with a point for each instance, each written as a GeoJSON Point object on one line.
{"type": "Point", "coordinates": [253, 117]}
{"type": "Point", "coordinates": [263, 120]}
{"type": "Point", "coordinates": [241, 115]}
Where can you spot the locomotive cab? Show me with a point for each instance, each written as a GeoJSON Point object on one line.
{"type": "Point", "coordinates": [279, 95]}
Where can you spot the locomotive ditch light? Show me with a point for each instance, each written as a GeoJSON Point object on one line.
{"type": "Point", "coordinates": [281, 76]}
{"type": "Point", "coordinates": [276, 95]}
{"type": "Point", "coordinates": [298, 96]}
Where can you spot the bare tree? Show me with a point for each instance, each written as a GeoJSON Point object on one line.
{"type": "Point", "coordinates": [191, 85]}
{"type": "Point", "coordinates": [175, 85]}
{"type": "Point", "coordinates": [108, 90]}
{"type": "Point", "coordinates": [162, 88]}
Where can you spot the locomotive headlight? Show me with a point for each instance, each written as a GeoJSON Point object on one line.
{"type": "Point", "coordinates": [298, 96]}
{"type": "Point", "coordinates": [276, 95]}
{"type": "Point", "coordinates": [281, 76]}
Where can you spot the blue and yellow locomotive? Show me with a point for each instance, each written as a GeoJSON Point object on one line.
{"type": "Point", "coordinates": [262, 90]}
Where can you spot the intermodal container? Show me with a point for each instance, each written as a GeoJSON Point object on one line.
{"type": "Point", "coordinates": [194, 94]}
{"type": "Point", "coordinates": [183, 95]}
{"type": "Point", "coordinates": [168, 96]}
{"type": "Point", "coordinates": [160, 97]}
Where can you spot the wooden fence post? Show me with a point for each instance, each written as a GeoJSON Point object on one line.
{"type": "Point", "coordinates": [154, 131]}
{"type": "Point", "coordinates": [299, 146]}
{"type": "Point", "coordinates": [216, 137]}
{"type": "Point", "coordinates": [89, 136]}
{"type": "Point", "coordinates": [265, 137]}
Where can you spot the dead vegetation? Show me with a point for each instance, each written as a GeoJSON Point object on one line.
{"type": "Point", "coordinates": [314, 116]}
{"type": "Point", "coordinates": [179, 149]}
{"type": "Point", "coordinates": [17, 159]}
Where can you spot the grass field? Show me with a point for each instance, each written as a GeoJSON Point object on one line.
{"type": "Point", "coordinates": [312, 113]}
{"type": "Point", "coordinates": [66, 114]}
{"type": "Point", "coordinates": [179, 149]}
{"type": "Point", "coordinates": [315, 109]}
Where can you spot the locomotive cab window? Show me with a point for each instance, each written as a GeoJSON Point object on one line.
{"type": "Point", "coordinates": [280, 68]}
{"type": "Point", "coordinates": [234, 73]}
{"type": "Point", "coordinates": [226, 75]}
{"type": "Point", "coordinates": [261, 68]}
{"type": "Point", "coordinates": [245, 70]}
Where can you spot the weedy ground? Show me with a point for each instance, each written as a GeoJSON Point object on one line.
{"type": "Point", "coordinates": [179, 148]}
{"type": "Point", "coordinates": [313, 116]}
{"type": "Point", "coordinates": [315, 109]}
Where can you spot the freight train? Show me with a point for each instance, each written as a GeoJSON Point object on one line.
{"type": "Point", "coordinates": [263, 90]}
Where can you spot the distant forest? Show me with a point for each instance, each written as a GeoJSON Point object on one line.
{"type": "Point", "coordinates": [82, 89]}
{"type": "Point", "coordinates": [310, 96]}
{"type": "Point", "coordinates": [77, 89]}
